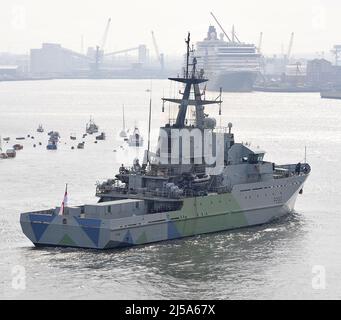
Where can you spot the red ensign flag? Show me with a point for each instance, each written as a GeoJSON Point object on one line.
{"type": "Point", "coordinates": [64, 203]}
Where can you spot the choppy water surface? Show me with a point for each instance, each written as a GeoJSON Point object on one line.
{"type": "Point", "coordinates": [279, 260]}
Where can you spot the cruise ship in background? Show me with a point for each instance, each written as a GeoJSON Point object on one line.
{"type": "Point", "coordinates": [232, 64]}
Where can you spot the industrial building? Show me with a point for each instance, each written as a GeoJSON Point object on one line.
{"type": "Point", "coordinates": [8, 72]}
{"type": "Point", "coordinates": [320, 73]}
{"type": "Point", "coordinates": [55, 61]}
{"type": "Point", "coordinates": [13, 66]}
{"type": "Point", "coordinates": [52, 60]}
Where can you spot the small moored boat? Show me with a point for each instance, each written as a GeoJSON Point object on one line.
{"type": "Point", "coordinates": [101, 136]}
{"type": "Point", "coordinates": [2, 154]}
{"type": "Point", "coordinates": [40, 129]}
{"type": "Point", "coordinates": [18, 147]}
{"type": "Point", "coordinates": [123, 133]}
{"type": "Point", "coordinates": [135, 139]}
{"type": "Point", "coordinates": [51, 145]}
{"type": "Point", "coordinates": [11, 153]}
{"type": "Point", "coordinates": [91, 127]}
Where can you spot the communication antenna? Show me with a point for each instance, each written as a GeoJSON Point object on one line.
{"type": "Point", "coordinates": [163, 102]}
{"type": "Point", "coordinates": [188, 41]}
{"type": "Point", "coordinates": [150, 120]}
{"type": "Point", "coordinates": [234, 36]}
{"type": "Point", "coordinates": [230, 127]}
{"type": "Point", "coordinates": [220, 101]}
{"type": "Point", "coordinates": [124, 121]}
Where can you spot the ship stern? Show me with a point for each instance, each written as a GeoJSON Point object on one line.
{"type": "Point", "coordinates": [51, 230]}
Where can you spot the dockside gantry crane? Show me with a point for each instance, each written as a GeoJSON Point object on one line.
{"type": "Point", "coordinates": [160, 57]}
{"type": "Point", "coordinates": [291, 43]}
{"type": "Point", "coordinates": [100, 48]}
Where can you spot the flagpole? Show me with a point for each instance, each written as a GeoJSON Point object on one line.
{"type": "Point", "coordinates": [65, 198]}
{"type": "Point", "coordinates": [64, 203]}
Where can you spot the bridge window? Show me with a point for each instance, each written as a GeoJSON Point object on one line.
{"type": "Point", "coordinates": [255, 158]}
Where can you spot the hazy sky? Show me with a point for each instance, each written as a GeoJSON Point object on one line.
{"type": "Point", "coordinates": [27, 23]}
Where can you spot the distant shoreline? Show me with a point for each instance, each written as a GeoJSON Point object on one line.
{"type": "Point", "coordinates": [84, 78]}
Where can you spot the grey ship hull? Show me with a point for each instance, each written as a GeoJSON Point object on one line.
{"type": "Point", "coordinates": [331, 95]}
{"type": "Point", "coordinates": [247, 205]}
{"type": "Point", "coordinates": [286, 89]}
{"type": "Point", "coordinates": [232, 81]}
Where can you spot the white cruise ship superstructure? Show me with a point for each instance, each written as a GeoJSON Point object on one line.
{"type": "Point", "coordinates": [232, 65]}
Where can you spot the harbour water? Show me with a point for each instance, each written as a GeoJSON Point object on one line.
{"type": "Point", "coordinates": [298, 257]}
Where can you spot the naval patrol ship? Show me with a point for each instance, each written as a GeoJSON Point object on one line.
{"type": "Point", "coordinates": [179, 191]}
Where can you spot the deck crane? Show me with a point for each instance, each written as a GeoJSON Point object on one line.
{"type": "Point", "coordinates": [100, 49]}
{"type": "Point", "coordinates": [222, 29]}
{"type": "Point", "coordinates": [262, 59]}
{"type": "Point", "coordinates": [160, 57]}
{"type": "Point", "coordinates": [105, 36]}
{"type": "Point", "coordinates": [290, 47]}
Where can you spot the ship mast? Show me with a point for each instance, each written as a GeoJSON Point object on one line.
{"type": "Point", "coordinates": [191, 80]}
{"type": "Point", "coordinates": [150, 120]}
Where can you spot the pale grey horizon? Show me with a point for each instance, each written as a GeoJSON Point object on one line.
{"type": "Point", "coordinates": [25, 24]}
